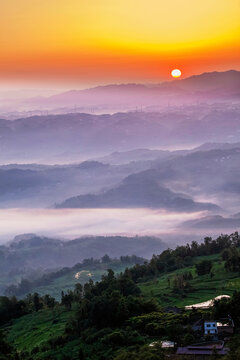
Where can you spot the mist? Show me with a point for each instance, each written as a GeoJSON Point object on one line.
{"type": "Point", "coordinates": [71, 223]}
{"type": "Point", "coordinates": [118, 169]}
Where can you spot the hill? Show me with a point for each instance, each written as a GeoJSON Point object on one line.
{"type": "Point", "coordinates": [214, 221]}
{"type": "Point", "coordinates": [227, 81]}
{"type": "Point", "coordinates": [65, 279]}
{"type": "Point", "coordinates": [212, 84]}
{"type": "Point", "coordinates": [77, 136]}
{"type": "Point", "coordinates": [33, 185]}
{"type": "Point", "coordinates": [30, 256]}
{"type": "Point", "coordinates": [120, 315]}
{"type": "Point", "coordinates": [35, 329]}
{"type": "Point", "coordinates": [136, 191]}
{"type": "Point", "coordinates": [202, 289]}
{"type": "Point", "coordinates": [124, 157]}
{"type": "Point", "coordinates": [174, 182]}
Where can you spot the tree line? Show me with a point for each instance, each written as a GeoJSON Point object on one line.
{"type": "Point", "coordinates": [182, 256]}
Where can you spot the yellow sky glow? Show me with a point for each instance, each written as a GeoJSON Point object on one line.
{"type": "Point", "coordinates": [82, 32]}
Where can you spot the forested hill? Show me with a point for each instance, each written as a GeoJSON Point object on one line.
{"type": "Point", "coordinates": [31, 256]}
{"type": "Point", "coordinates": [183, 256]}
{"type": "Point", "coordinates": [66, 278]}
{"type": "Point", "coordinates": [118, 317]}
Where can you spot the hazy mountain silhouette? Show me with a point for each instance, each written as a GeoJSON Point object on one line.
{"type": "Point", "coordinates": [124, 157]}
{"type": "Point", "coordinates": [41, 185]}
{"type": "Point", "coordinates": [137, 191]}
{"type": "Point", "coordinates": [167, 181]}
{"type": "Point", "coordinates": [214, 222]}
{"type": "Point", "coordinates": [224, 81]}
{"type": "Point", "coordinates": [214, 84]}
{"type": "Point", "coordinates": [50, 137]}
{"type": "Point", "coordinates": [31, 250]}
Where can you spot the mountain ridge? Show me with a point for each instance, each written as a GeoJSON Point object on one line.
{"type": "Point", "coordinates": [213, 84]}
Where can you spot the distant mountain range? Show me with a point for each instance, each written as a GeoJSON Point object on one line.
{"type": "Point", "coordinates": [209, 81]}
{"type": "Point", "coordinates": [206, 86]}
{"type": "Point", "coordinates": [214, 222]}
{"type": "Point", "coordinates": [79, 136]}
{"type": "Point", "coordinates": [33, 185]}
{"type": "Point", "coordinates": [172, 183]}
{"type": "Point", "coordinates": [33, 251]}
{"type": "Point", "coordinates": [124, 157]}
{"type": "Point", "coordinates": [184, 180]}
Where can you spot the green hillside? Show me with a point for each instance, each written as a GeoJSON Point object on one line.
{"type": "Point", "coordinates": [117, 317]}
{"type": "Point", "coordinates": [54, 282]}
{"type": "Point", "coordinates": [38, 328]}
{"type": "Point", "coordinates": [68, 281]}
{"type": "Point", "coordinates": [203, 287]}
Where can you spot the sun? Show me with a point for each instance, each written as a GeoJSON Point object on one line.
{"type": "Point", "coordinates": [176, 73]}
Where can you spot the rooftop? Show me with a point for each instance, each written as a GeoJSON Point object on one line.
{"type": "Point", "coordinates": [205, 348]}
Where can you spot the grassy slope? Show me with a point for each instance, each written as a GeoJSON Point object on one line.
{"type": "Point", "coordinates": [34, 329]}
{"type": "Point", "coordinates": [204, 287]}
{"type": "Point", "coordinates": [68, 281]}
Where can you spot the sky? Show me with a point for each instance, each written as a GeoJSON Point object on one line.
{"type": "Point", "coordinates": [88, 42]}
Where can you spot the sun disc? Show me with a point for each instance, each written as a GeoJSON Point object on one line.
{"type": "Point", "coordinates": [176, 73]}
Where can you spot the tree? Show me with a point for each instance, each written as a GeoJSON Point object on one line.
{"type": "Point", "coordinates": [233, 261]}
{"type": "Point", "coordinates": [36, 302]}
{"type": "Point", "coordinates": [78, 292]}
{"type": "Point", "coordinates": [204, 267]}
{"type": "Point", "coordinates": [180, 281]}
{"type": "Point", "coordinates": [234, 345]}
{"type": "Point", "coordinates": [49, 301]}
{"type": "Point", "coordinates": [81, 354]}
{"type": "Point", "coordinates": [225, 254]}
{"type": "Point", "coordinates": [6, 351]}
{"type": "Point", "coordinates": [106, 259]}
{"type": "Point", "coordinates": [67, 299]}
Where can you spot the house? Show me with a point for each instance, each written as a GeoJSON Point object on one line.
{"type": "Point", "coordinates": [220, 329]}
{"type": "Point", "coordinates": [210, 327]}
{"type": "Point", "coordinates": [225, 327]}
{"type": "Point", "coordinates": [202, 351]}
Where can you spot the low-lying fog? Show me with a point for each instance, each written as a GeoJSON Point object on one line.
{"type": "Point", "coordinates": [71, 223]}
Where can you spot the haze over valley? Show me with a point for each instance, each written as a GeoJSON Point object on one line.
{"type": "Point", "coordinates": [162, 168]}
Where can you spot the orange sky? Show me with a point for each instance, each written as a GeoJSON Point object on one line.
{"type": "Point", "coordinates": [87, 42]}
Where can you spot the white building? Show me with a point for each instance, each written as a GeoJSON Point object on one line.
{"type": "Point", "coordinates": [210, 328]}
